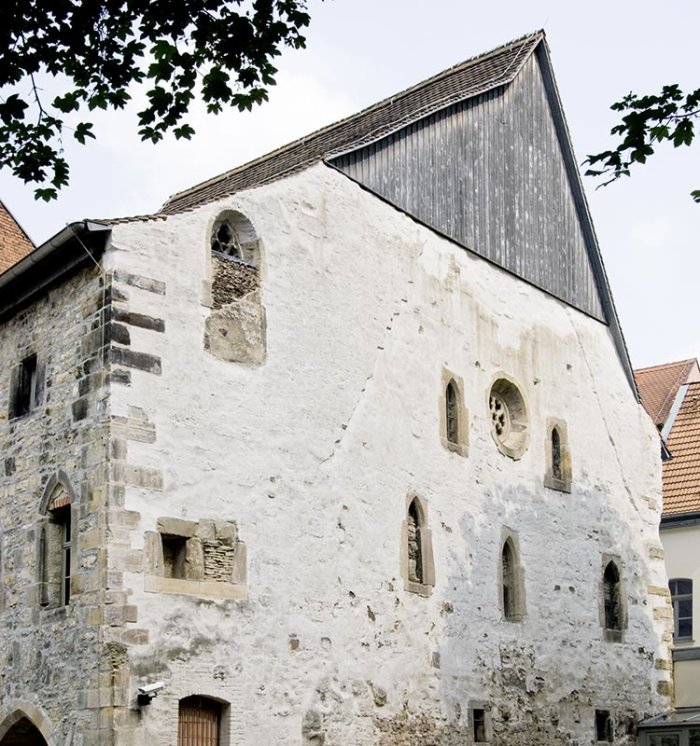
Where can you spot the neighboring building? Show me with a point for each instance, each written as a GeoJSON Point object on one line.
{"type": "Point", "coordinates": [15, 244]}
{"type": "Point", "coordinates": [671, 396]}
{"type": "Point", "coordinates": [342, 447]}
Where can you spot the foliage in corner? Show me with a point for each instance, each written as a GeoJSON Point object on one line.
{"type": "Point", "coordinates": [648, 120]}
{"type": "Point", "coordinates": [221, 50]}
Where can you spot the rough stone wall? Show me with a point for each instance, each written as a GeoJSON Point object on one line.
{"type": "Point", "coordinates": [50, 664]}
{"type": "Point", "coordinates": [313, 453]}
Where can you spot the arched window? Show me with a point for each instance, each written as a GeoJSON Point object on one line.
{"type": "Point", "coordinates": [451, 414]}
{"type": "Point", "coordinates": [236, 327]}
{"type": "Point", "coordinates": [612, 602]}
{"type": "Point", "coordinates": [417, 564]}
{"type": "Point", "coordinates": [415, 560]}
{"type": "Point", "coordinates": [556, 454]}
{"type": "Point", "coordinates": [508, 581]}
{"type": "Point", "coordinates": [682, 600]}
{"type": "Point", "coordinates": [454, 433]}
{"type": "Point", "coordinates": [512, 590]}
{"type": "Point", "coordinates": [199, 722]}
{"type": "Point", "coordinates": [558, 465]}
{"type": "Point", "coordinates": [56, 547]}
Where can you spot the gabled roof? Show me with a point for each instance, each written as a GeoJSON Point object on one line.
{"type": "Point", "coordinates": [681, 475]}
{"type": "Point", "coordinates": [14, 242]}
{"type": "Point", "coordinates": [658, 386]}
{"type": "Point", "coordinates": [466, 80]}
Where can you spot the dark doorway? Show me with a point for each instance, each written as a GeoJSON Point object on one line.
{"type": "Point", "coordinates": [23, 733]}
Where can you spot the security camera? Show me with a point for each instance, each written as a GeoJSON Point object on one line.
{"type": "Point", "coordinates": [153, 688]}
{"type": "Point", "coordinates": [148, 691]}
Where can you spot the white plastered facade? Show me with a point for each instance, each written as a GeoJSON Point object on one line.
{"type": "Point", "coordinates": [312, 455]}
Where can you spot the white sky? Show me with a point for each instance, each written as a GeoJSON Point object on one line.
{"type": "Point", "coordinates": [360, 51]}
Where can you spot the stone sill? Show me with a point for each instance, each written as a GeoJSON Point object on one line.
{"type": "Point", "coordinates": [460, 449]}
{"type": "Point", "coordinates": [419, 588]}
{"type": "Point", "coordinates": [199, 588]}
{"type": "Point", "coordinates": [561, 485]}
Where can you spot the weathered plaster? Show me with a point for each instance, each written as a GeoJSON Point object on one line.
{"type": "Point", "coordinates": [312, 453]}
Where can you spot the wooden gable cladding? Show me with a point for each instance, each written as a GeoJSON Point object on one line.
{"type": "Point", "coordinates": [490, 173]}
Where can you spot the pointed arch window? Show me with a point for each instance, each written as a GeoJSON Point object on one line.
{"type": "Point", "coordinates": [612, 611]}
{"type": "Point", "coordinates": [453, 415]}
{"type": "Point", "coordinates": [512, 593]}
{"type": "Point", "coordinates": [418, 567]}
{"type": "Point", "coordinates": [558, 468]}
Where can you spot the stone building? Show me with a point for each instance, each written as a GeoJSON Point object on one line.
{"type": "Point", "coordinates": [671, 395]}
{"type": "Point", "coordinates": [340, 447]}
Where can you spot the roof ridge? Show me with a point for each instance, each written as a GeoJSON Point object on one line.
{"type": "Point", "coordinates": [498, 79]}
{"type": "Point", "coordinates": [664, 365]}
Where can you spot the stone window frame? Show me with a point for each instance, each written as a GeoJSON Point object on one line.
{"type": "Point", "coordinates": [485, 708]}
{"type": "Point", "coordinates": [561, 483]}
{"type": "Point", "coordinates": [193, 533]}
{"type": "Point", "coordinates": [26, 385]}
{"type": "Point", "coordinates": [424, 588]}
{"type": "Point", "coordinates": [461, 445]}
{"type": "Point", "coordinates": [57, 517]}
{"type": "Point", "coordinates": [510, 538]}
{"type": "Point", "coordinates": [610, 634]}
{"type": "Point", "coordinates": [510, 394]}
{"type": "Point", "coordinates": [247, 239]}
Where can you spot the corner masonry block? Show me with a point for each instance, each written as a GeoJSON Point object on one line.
{"type": "Point", "coordinates": [139, 360]}
{"type": "Point", "coordinates": [143, 476]}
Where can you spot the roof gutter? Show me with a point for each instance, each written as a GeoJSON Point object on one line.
{"type": "Point", "coordinates": [78, 244]}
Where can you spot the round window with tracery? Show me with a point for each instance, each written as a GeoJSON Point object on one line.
{"type": "Point", "coordinates": [509, 418]}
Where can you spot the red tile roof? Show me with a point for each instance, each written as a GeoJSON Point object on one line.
{"type": "Point", "coordinates": [658, 387]}
{"type": "Point", "coordinates": [15, 244]}
{"type": "Point", "coordinates": [681, 475]}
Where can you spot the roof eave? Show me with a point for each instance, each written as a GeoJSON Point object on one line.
{"type": "Point", "coordinates": [72, 247]}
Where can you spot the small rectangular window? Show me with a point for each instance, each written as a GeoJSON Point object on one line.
{"type": "Point", "coordinates": [603, 726]}
{"type": "Point", "coordinates": [479, 717]}
{"type": "Point", "coordinates": [23, 395]}
{"type": "Point", "coordinates": [174, 554]}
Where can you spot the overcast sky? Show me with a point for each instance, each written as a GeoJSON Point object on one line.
{"type": "Point", "coordinates": [360, 51]}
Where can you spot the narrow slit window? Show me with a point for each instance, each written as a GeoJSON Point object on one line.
{"type": "Point", "coordinates": [556, 454]}
{"type": "Point", "coordinates": [451, 413]}
{"type": "Point", "coordinates": [415, 558]}
{"type": "Point", "coordinates": [508, 581]}
{"type": "Point", "coordinates": [65, 521]}
{"type": "Point", "coordinates": [612, 598]}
